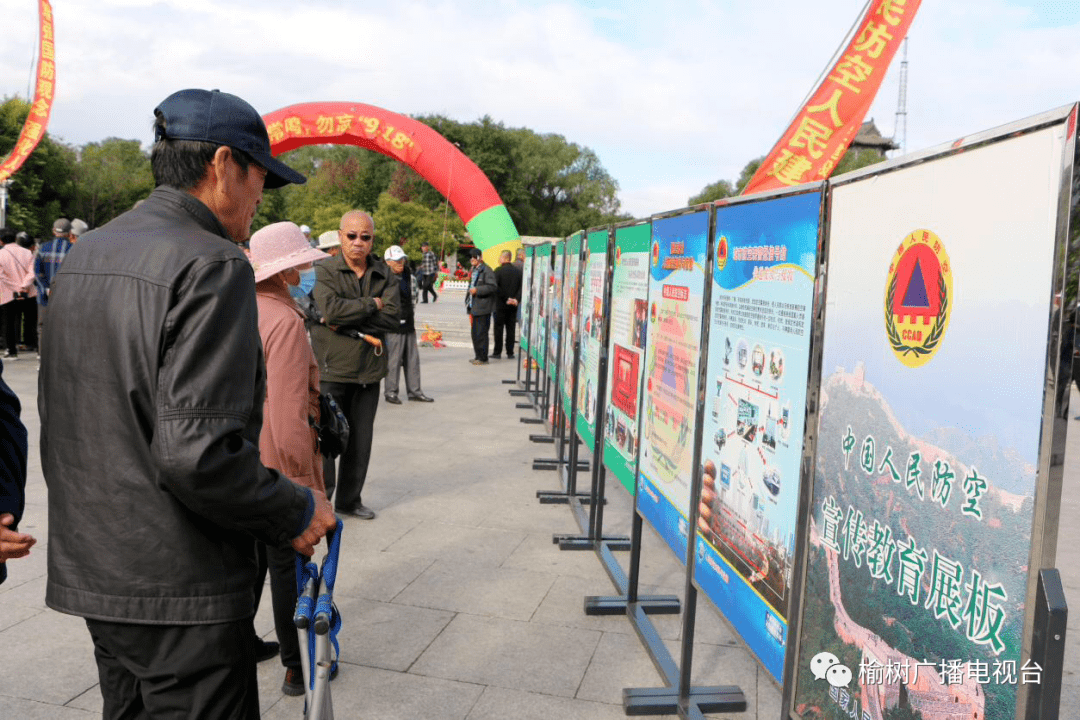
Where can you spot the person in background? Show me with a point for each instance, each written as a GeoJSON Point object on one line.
{"type": "Point", "coordinates": [508, 295]}
{"type": "Point", "coordinates": [429, 271]}
{"type": "Point", "coordinates": [28, 307]}
{"type": "Point", "coordinates": [16, 279]}
{"type": "Point", "coordinates": [479, 303]}
{"type": "Point", "coordinates": [13, 449]}
{"type": "Point", "coordinates": [288, 442]}
{"type": "Point", "coordinates": [307, 235]}
{"type": "Point", "coordinates": [330, 243]}
{"type": "Point", "coordinates": [358, 297]}
{"type": "Point", "coordinates": [150, 396]}
{"type": "Point", "coordinates": [78, 229]}
{"type": "Point", "coordinates": [519, 262]}
{"type": "Point", "coordinates": [401, 348]}
{"type": "Point", "coordinates": [47, 262]}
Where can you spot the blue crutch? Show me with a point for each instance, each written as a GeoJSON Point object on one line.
{"type": "Point", "coordinates": [315, 610]}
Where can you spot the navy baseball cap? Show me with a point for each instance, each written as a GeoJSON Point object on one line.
{"type": "Point", "coordinates": [218, 117]}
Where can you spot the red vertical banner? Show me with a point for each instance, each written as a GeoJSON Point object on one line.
{"type": "Point", "coordinates": [820, 134]}
{"type": "Point", "coordinates": [34, 128]}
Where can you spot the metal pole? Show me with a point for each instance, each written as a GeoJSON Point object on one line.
{"type": "Point", "coordinates": [3, 201]}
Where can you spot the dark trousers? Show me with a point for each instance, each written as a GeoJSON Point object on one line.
{"type": "Point", "coordinates": [28, 316]}
{"type": "Point", "coordinates": [481, 326]}
{"type": "Point", "coordinates": [281, 564]}
{"type": "Point", "coordinates": [427, 285]}
{"type": "Point", "coordinates": [359, 403]}
{"type": "Point", "coordinates": [505, 321]}
{"type": "Point", "coordinates": [176, 671]}
{"type": "Point", "coordinates": [10, 313]}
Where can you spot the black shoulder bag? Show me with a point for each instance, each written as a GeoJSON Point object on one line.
{"type": "Point", "coordinates": [333, 428]}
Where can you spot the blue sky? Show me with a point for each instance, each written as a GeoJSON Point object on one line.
{"type": "Point", "coordinates": [671, 96]}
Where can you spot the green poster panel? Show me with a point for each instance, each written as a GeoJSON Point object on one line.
{"type": "Point", "coordinates": [571, 283]}
{"type": "Point", "coordinates": [541, 278]}
{"type": "Point", "coordinates": [526, 310]}
{"type": "Point", "coordinates": [593, 275]}
{"type": "Point", "coordinates": [626, 350]}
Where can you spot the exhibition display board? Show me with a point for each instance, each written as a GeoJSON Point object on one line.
{"type": "Point", "coordinates": [571, 286]}
{"type": "Point", "coordinates": [626, 350]}
{"type": "Point", "coordinates": [593, 276]}
{"type": "Point", "coordinates": [677, 261]}
{"type": "Point", "coordinates": [939, 433]}
{"type": "Point", "coordinates": [555, 316]}
{"type": "Point", "coordinates": [765, 262]}
{"type": "Point", "coordinates": [526, 311]}
{"type": "Point", "coordinates": [541, 303]}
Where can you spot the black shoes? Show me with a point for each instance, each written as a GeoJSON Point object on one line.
{"type": "Point", "coordinates": [497, 356]}
{"type": "Point", "coordinates": [266, 650]}
{"type": "Point", "coordinates": [421, 398]}
{"type": "Point", "coordinates": [294, 682]}
{"type": "Point", "coordinates": [360, 511]}
{"type": "Point", "coordinates": [477, 361]}
{"type": "Point", "coordinates": [393, 399]}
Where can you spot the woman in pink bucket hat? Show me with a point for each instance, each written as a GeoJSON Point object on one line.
{"type": "Point", "coordinates": [282, 257]}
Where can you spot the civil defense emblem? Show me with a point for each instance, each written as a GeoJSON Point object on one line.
{"type": "Point", "coordinates": [721, 252]}
{"type": "Point", "coordinates": [918, 297]}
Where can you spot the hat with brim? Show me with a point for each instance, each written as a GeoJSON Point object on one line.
{"type": "Point", "coordinates": [395, 253]}
{"type": "Point", "coordinates": [279, 247]}
{"type": "Point", "coordinates": [329, 239]}
{"type": "Point", "coordinates": [218, 117]}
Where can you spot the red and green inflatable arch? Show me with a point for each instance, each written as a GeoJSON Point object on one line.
{"type": "Point", "coordinates": [427, 152]}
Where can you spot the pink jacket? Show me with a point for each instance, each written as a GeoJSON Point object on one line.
{"type": "Point", "coordinates": [16, 272]}
{"type": "Point", "coordinates": [287, 442]}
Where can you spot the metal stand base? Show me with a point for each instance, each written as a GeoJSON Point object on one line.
{"type": "Point", "coordinates": [547, 439]}
{"type": "Point", "coordinates": [665, 701]}
{"type": "Point", "coordinates": [533, 421]}
{"type": "Point", "coordinates": [524, 406]}
{"type": "Point", "coordinates": [584, 542]}
{"type": "Point", "coordinates": [616, 604]}
{"type": "Point", "coordinates": [556, 463]}
{"type": "Point", "coordinates": [558, 497]}
{"type": "Point", "coordinates": [516, 392]}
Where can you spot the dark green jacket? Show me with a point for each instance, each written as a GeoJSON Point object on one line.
{"type": "Point", "coordinates": [348, 303]}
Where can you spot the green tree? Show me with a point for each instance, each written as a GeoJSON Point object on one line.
{"type": "Point", "coordinates": [43, 188]}
{"type": "Point", "coordinates": [409, 224]}
{"type": "Point", "coordinates": [549, 186]}
{"type": "Point", "coordinates": [716, 191]}
{"type": "Point", "coordinates": [110, 177]}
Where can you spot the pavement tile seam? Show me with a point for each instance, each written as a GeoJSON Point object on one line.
{"type": "Point", "coordinates": [409, 670]}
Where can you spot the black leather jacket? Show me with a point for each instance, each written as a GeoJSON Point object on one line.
{"type": "Point", "coordinates": [150, 396]}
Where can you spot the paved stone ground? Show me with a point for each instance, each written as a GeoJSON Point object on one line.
{"type": "Point", "coordinates": [456, 604]}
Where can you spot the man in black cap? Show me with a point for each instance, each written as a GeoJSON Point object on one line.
{"type": "Point", "coordinates": [479, 302]}
{"type": "Point", "coordinates": [150, 396]}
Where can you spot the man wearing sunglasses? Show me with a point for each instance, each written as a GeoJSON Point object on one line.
{"type": "Point", "coordinates": [357, 295]}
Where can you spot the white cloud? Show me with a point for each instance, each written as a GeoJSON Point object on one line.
{"type": "Point", "coordinates": [672, 96]}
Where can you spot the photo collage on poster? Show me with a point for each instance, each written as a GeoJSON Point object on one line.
{"type": "Point", "coordinates": [540, 302]}
{"type": "Point", "coordinates": [527, 310]}
{"type": "Point", "coordinates": [571, 284]}
{"type": "Point", "coordinates": [555, 316]}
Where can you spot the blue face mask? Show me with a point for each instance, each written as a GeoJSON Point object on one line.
{"type": "Point", "coordinates": [307, 283]}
